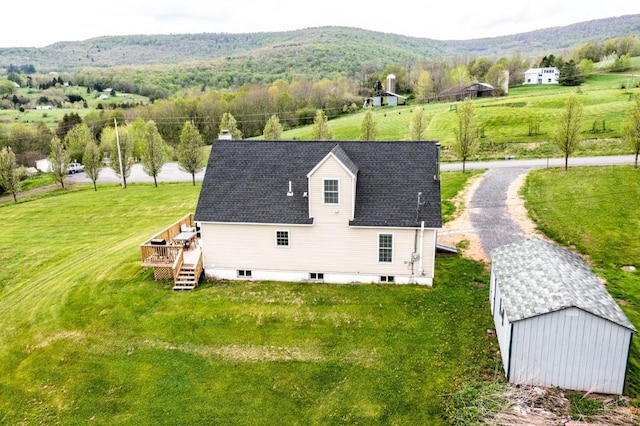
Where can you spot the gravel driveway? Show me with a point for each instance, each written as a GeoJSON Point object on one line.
{"type": "Point", "coordinates": [488, 211]}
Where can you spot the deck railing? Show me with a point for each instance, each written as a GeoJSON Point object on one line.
{"type": "Point", "coordinates": [177, 265]}
{"type": "Point", "coordinates": [158, 251]}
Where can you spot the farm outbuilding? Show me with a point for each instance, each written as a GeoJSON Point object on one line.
{"type": "Point", "coordinates": [555, 322]}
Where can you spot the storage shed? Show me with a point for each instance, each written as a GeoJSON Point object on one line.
{"type": "Point", "coordinates": [555, 322]}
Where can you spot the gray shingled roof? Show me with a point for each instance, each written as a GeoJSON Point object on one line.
{"type": "Point", "coordinates": [247, 181]}
{"type": "Point", "coordinates": [536, 277]}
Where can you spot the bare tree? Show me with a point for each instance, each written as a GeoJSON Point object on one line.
{"type": "Point", "coordinates": [59, 160]}
{"type": "Point", "coordinates": [632, 129]}
{"type": "Point", "coordinates": [191, 157]}
{"type": "Point", "coordinates": [9, 176]}
{"type": "Point", "coordinates": [567, 134]}
{"type": "Point", "coordinates": [466, 143]}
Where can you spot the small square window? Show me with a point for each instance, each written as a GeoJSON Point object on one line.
{"type": "Point", "coordinates": [317, 276]}
{"type": "Point", "coordinates": [244, 273]}
{"type": "Point", "coordinates": [387, 279]}
{"type": "Point", "coordinates": [282, 238]}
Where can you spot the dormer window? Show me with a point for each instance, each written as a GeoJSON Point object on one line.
{"type": "Point", "coordinates": [331, 191]}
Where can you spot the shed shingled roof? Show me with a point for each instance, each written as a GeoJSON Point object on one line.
{"type": "Point", "coordinates": [536, 277]}
{"type": "Point", "coordinates": [247, 181]}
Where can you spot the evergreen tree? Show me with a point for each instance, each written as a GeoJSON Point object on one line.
{"type": "Point", "coordinates": [570, 74]}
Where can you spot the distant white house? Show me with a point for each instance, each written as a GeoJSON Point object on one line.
{"type": "Point", "coordinates": [548, 75]}
{"type": "Point", "coordinates": [43, 165]}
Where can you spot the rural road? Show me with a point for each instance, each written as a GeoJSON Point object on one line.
{"type": "Point", "coordinates": [487, 209]}
{"type": "Point", "coordinates": [171, 173]}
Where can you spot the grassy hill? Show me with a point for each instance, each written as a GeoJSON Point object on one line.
{"type": "Point", "coordinates": [520, 124]}
{"type": "Point", "coordinates": [322, 51]}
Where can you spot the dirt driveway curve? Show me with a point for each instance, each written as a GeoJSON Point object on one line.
{"type": "Point", "coordinates": [491, 214]}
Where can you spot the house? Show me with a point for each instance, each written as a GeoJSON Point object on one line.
{"type": "Point", "coordinates": [547, 75]}
{"type": "Point", "coordinates": [555, 322]}
{"type": "Point", "coordinates": [327, 211]}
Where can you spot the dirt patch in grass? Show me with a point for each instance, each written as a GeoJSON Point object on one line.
{"type": "Point", "coordinates": [459, 232]}
{"type": "Point", "coordinates": [75, 336]}
{"type": "Point", "coordinates": [244, 353]}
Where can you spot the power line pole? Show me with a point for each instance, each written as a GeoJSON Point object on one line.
{"type": "Point", "coordinates": [124, 185]}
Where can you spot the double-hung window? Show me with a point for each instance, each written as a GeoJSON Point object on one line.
{"type": "Point", "coordinates": [282, 238]}
{"type": "Point", "coordinates": [385, 248]}
{"type": "Point", "coordinates": [331, 191]}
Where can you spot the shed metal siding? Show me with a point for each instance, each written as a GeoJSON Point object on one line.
{"type": "Point", "coordinates": [572, 349]}
{"type": "Point", "coordinates": [502, 323]}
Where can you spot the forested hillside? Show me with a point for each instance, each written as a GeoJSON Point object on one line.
{"type": "Point", "coordinates": [324, 50]}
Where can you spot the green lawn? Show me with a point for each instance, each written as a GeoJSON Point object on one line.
{"type": "Point", "coordinates": [596, 211]}
{"type": "Point", "coordinates": [87, 336]}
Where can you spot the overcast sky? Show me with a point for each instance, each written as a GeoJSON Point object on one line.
{"type": "Point", "coordinates": [37, 23]}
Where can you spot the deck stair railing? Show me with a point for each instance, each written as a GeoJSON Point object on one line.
{"type": "Point", "coordinates": [168, 260]}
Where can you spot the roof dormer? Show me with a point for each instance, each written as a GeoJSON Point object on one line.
{"type": "Point", "coordinates": [332, 186]}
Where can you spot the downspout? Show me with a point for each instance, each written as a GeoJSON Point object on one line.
{"type": "Point", "coordinates": [421, 261]}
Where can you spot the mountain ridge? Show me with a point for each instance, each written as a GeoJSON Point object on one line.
{"type": "Point", "coordinates": [327, 47]}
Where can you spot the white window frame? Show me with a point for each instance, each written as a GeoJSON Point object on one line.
{"type": "Point", "coordinates": [387, 248]}
{"type": "Point", "coordinates": [244, 273]}
{"type": "Point", "coordinates": [277, 239]}
{"type": "Point", "coordinates": [324, 191]}
{"type": "Point", "coordinates": [316, 276]}
{"type": "Point", "coordinates": [387, 279]}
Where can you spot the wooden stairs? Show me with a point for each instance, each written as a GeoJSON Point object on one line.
{"type": "Point", "coordinates": [187, 278]}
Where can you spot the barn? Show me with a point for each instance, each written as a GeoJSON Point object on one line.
{"type": "Point", "coordinates": [555, 322]}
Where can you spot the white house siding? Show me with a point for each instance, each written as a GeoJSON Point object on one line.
{"type": "Point", "coordinates": [329, 248]}
{"type": "Point", "coordinates": [570, 348]}
{"type": "Point", "coordinates": [331, 213]}
{"type": "Point", "coordinates": [541, 76]}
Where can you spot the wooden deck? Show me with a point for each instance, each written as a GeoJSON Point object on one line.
{"type": "Point", "coordinates": [180, 261]}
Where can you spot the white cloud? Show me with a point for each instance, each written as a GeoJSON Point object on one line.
{"type": "Point", "coordinates": [46, 22]}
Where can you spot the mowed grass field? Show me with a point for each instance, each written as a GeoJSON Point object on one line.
{"type": "Point", "coordinates": [87, 336]}
{"type": "Point", "coordinates": [520, 124]}
{"type": "Point", "coordinates": [596, 211]}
